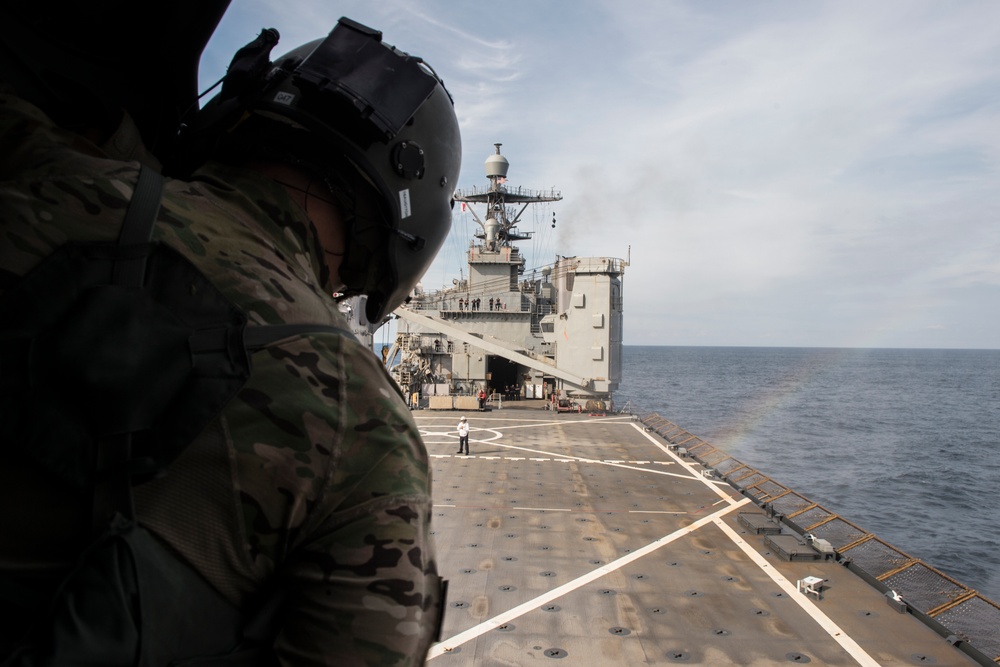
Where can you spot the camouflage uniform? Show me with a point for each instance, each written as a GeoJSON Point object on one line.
{"type": "Point", "coordinates": [314, 476]}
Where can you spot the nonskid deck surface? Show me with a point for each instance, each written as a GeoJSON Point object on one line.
{"type": "Point", "coordinates": [584, 540]}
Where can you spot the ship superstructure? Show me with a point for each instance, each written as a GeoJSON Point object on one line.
{"type": "Point", "coordinates": [553, 332]}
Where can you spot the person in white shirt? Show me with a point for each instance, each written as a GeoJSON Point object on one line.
{"type": "Point", "coordinates": [463, 435]}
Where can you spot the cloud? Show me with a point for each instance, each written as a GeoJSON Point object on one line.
{"type": "Point", "coordinates": [810, 168]}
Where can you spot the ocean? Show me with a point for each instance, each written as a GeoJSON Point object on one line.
{"type": "Point", "coordinates": [904, 444]}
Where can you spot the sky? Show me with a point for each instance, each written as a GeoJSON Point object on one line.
{"type": "Point", "coordinates": [780, 173]}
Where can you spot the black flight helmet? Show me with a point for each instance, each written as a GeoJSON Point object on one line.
{"type": "Point", "coordinates": [355, 101]}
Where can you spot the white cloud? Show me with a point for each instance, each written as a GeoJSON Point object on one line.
{"type": "Point", "coordinates": [784, 172]}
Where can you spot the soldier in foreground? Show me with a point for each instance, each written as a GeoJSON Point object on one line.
{"type": "Point", "coordinates": [306, 489]}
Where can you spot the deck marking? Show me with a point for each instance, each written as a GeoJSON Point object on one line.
{"type": "Point", "coordinates": [831, 628]}
{"type": "Point", "coordinates": [498, 434]}
{"type": "Point", "coordinates": [688, 466]}
{"type": "Point", "coordinates": [519, 422]}
{"type": "Point", "coordinates": [588, 510]}
{"type": "Point", "coordinates": [543, 509]}
{"type": "Point", "coordinates": [506, 617]}
{"type": "Point", "coordinates": [583, 459]}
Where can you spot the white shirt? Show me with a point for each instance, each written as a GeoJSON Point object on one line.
{"type": "Point", "coordinates": [463, 428]}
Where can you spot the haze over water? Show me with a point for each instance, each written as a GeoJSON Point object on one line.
{"type": "Point", "coordinates": [903, 443]}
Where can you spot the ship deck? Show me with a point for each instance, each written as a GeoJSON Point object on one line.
{"type": "Point", "coordinates": [586, 540]}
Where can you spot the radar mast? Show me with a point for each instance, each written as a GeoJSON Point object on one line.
{"type": "Point", "coordinates": [499, 229]}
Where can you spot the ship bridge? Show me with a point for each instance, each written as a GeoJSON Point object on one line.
{"type": "Point", "coordinates": [558, 332]}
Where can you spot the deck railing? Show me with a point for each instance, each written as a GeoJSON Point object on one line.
{"type": "Point", "coordinates": [959, 613]}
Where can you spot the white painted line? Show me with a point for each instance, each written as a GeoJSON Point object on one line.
{"type": "Point", "coordinates": [688, 466]}
{"type": "Point", "coordinates": [625, 466]}
{"type": "Point", "coordinates": [452, 643]}
{"type": "Point", "coordinates": [544, 509]}
{"type": "Point", "coordinates": [653, 512]}
{"type": "Point", "coordinates": [534, 459]}
{"type": "Point", "coordinates": [831, 628]}
{"type": "Point", "coordinates": [444, 505]}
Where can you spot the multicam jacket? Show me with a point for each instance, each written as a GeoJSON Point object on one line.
{"type": "Point", "coordinates": [314, 476]}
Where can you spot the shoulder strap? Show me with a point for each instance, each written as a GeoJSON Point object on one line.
{"type": "Point", "coordinates": [113, 489]}
{"type": "Point", "coordinates": [138, 226]}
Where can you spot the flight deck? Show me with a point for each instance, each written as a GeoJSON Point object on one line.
{"type": "Point", "coordinates": [577, 539]}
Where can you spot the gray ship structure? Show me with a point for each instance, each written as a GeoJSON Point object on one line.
{"type": "Point", "coordinates": [552, 333]}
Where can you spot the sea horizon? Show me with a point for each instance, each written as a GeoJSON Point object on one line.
{"type": "Point", "coordinates": [817, 347]}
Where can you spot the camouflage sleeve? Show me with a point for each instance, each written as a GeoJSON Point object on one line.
{"type": "Point", "coordinates": [366, 593]}
{"type": "Point", "coordinates": [357, 564]}
{"type": "Point", "coordinates": [365, 590]}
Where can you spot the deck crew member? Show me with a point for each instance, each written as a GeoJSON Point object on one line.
{"type": "Point", "coordinates": [463, 435]}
